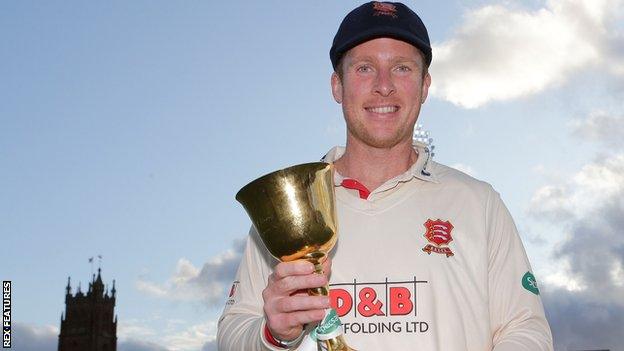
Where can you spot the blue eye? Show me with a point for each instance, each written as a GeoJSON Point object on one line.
{"type": "Point", "coordinates": [403, 68]}
{"type": "Point", "coordinates": [364, 69]}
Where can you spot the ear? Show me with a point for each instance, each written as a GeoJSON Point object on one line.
{"type": "Point", "coordinates": [425, 88]}
{"type": "Point", "coordinates": [336, 85]}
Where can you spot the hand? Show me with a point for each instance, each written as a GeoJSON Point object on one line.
{"type": "Point", "coordinates": [287, 305]}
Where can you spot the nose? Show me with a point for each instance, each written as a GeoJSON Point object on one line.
{"type": "Point", "coordinates": [384, 85]}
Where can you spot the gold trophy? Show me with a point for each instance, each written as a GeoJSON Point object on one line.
{"type": "Point", "coordinates": [294, 212]}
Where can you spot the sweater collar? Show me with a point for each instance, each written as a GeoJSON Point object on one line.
{"type": "Point", "coordinates": [421, 169]}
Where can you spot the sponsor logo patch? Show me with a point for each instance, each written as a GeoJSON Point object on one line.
{"type": "Point", "coordinates": [438, 233]}
{"type": "Point", "coordinates": [233, 289]}
{"type": "Point", "coordinates": [232, 295]}
{"type": "Point", "coordinates": [530, 283]}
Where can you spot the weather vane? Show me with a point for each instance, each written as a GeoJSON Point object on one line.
{"type": "Point", "coordinates": [99, 262]}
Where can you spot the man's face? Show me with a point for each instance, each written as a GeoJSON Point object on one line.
{"type": "Point", "coordinates": [381, 91]}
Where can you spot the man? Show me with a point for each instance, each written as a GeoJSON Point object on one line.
{"type": "Point", "coordinates": [428, 257]}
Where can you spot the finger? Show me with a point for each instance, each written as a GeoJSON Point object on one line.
{"type": "Point", "coordinates": [288, 325]}
{"type": "Point", "coordinates": [304, 317]}
{"type": "Point", "coordinates": [302, 303]}
{"type": "Point", "coordinates": [286, 269]}
{"type": "Point", "coordinates": [290, 284]}
{"type": "Point", "coordinates": [300, 292]}
{"type": "Point", "coordinates": [284, 322]}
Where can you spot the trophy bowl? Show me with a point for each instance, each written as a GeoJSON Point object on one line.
{"type": "Point", "coordinates": [293, 210]}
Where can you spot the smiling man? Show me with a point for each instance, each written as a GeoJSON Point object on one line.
{"type": "Point", "coordinates": [428, 257]}
{"type": "Point", "coordinates": [381, 85]}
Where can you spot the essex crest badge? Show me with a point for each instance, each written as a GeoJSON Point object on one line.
{"type": "Point", "coordinates": [438, 233]}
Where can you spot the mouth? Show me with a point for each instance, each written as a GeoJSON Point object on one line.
{"type": "Point", "coordinates": [382, 109]}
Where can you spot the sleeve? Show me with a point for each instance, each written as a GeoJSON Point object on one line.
{"type": "Point", "coordinates": [242, 322]}
{"type": "Point", "coordinates": [517, 316]}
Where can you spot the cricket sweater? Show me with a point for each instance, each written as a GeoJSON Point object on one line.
{"type": "Point", "coordinates": [430, 260]}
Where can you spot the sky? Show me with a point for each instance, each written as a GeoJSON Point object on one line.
{"type": "Point", "coordinates": [126, 129]}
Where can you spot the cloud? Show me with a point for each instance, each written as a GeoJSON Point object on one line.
{"type": "Point", "coordinates": [195, 337]}
{"type": "Point", "coordinates": [166, 334]}
{"type": "Point", "coordinates": [27, 337]}
{"type": "Point", "coordinates": [210, 346]}
{"type": "Point", "coordinates": [140, 345]}
{"type": "Point", "coordinates": [594, 251]}
{"type": "Point", "coordinates": [581, 323]}
{"type": "Point", "coordinates": [584, 299]}
{"type": "Point", "coordinates": [190, 283]}
{"type": "Point", "coordinates": [134, 329]}
{"type": "Point", "coordinates": [595, 184]}
{"type": "Point", "coordinates": [502, 53]}
{"type": "Point", "coordinates": [601, 127]}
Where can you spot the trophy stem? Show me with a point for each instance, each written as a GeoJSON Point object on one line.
{"type": "Point", "coordinates": [317, 258]}
{"type": "Point", "coordinates": [337, 344]}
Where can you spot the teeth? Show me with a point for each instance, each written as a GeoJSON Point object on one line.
{"type": "Point", "coordinates": [383, 109]}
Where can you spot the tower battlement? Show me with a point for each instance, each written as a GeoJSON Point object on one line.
{"type": "Point", "coordinates": [89, 322]}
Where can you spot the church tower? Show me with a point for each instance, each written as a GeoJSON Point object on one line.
{"type": "Point", "coordinates": [88, 324]}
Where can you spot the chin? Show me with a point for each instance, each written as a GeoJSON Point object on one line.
{"type": "Point", "coordinates": [378, 136]}
{"type": "Point", "coordinates": [382, 143]}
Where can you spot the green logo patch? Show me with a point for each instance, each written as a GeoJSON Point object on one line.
{"type": "Point", "coordinates": [330, 323]}
{"type": "Point", "coordinates": [313, 335]}
{"type": "Point", "coordinates": [530, 283]}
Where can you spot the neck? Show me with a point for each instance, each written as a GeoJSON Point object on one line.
{"type": "Point", "coordinates": [374, 166]}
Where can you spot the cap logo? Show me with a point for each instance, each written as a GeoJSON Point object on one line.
{"type": "Point", "coordinates": [384, 9]}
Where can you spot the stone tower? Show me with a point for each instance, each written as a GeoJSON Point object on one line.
{"type": "Point", "coordinates": [89, 322]}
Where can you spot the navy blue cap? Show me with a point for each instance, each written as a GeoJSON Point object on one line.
{"type": "Point", "coordinates": [380, 20]}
